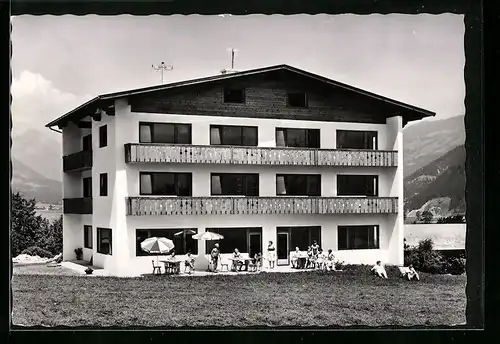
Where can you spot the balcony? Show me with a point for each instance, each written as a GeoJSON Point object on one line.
{"type": "Point", "coordinates": [141, 206]}
{"type": "Point", "coordinates": [192, 154]}
{"type": "Point", "coordinates": [77, 205]}
{"type": "Point", "coordinates": [79, 161]}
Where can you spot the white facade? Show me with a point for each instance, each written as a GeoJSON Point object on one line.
{"type": "Point", "coordinates": [123, 181]}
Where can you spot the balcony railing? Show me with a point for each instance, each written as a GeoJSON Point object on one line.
{"type": "Point", "coordinates": [140, 206]}
{"type": "Point", "coordinates": [79, 161]}
{"type": "Point", "coordinates": [77, 205]}
{"type": "Point", "coordinates": [195, 154]}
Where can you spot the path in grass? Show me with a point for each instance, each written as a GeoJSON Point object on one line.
{"type": "Point", "coordinates": [266, 299]}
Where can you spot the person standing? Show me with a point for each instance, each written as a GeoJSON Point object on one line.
{"type": "Point", "coordinates": [271, 254]}
{"type": "Point", "coordinates": [215, 257]}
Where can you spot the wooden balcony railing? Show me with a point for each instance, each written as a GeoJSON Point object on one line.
{"type": "Point", "coordinates": [79, 161]}
{"type": "Point", "coordinates": [195, 154]}
{"type": "Point", "coordinates": [77, 205]}
{"type": "Point", "coordinates": [140, 206]}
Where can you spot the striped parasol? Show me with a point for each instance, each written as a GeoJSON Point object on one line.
{"type": "Point", "coordinates": [157, 245]}
{"type": "Point", "coordinates": [208, 236]}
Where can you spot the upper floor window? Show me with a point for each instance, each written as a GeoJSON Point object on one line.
{"type": "Point", "coordinates": [234, 95]}
{"type": "Point", "coordinates": [87, 143]}
{"type": "Point", "coordinates": [357, 139]}
{"type": "Point", "coordinates": [289, 137]}
{"type": "Point", "coordinates": [87, 187]}
{"type": "Point", "coordinates": [103, 136]}
{"type": "Point", "coordinates": [165, 133]}
{"type": "Point", "coordinates": [231, 135]}
{"type": "Point", "coordinates": [234, 184]}
{"type": "Point", "coordinates": [297, 99]}
{"type": "Point", "coordinates": [103, 184]}
{"type": "Point", "coordinates": [298, 184]}
{"type": "Point", "coordinates": [357, 185]}
{"type": "Point", "coordinates": [165, 183]}
{"type": "Point", "coordinates": [358, 237]}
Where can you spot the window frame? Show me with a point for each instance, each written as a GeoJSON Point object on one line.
{"type": "Point", "coordinates": [364, 132]}
{"type": "Point", "coordinates": [248, 230]}
{"type": "Point", "coordinates": [103, 136]}
{"type": "Point", "coordinates": [308, 138]}
{"type": "Point", "coordinates": [87, 140]}
{"type": "Point", "coordinates": [306, 103]}
{"type": "Point", "coordinates": [244, 183]}
{"type": "Point", "coordinates": [176, 132]}
{"type": "Point", "coordinates": [84, 180]}
{"type": "Point", "coordinates": [240, 127]}
{"type": "Point", "coordinates": [99, 240]}
{"type": "Point", "coordinates": [228, 89]}
{"type": "Point", "coordinates": [176, 184]}
{"type": "Point", "coordinates": [140, 253]}
{"type": "Point", "coordinates": [305, 182]}
{"type": "Point", "coordinates": [86, 230]}
{"type": "Point", "coordinates": [371, 246]}
{"type": "Point", "coordinates": [103, 184]}
{"type": "Point", "coordinates": [368, 177]}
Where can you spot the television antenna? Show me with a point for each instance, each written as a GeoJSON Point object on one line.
{"type": "Point", "coordinates": [234, 52]}
{"type": "Point", "coordinates": [162, 67]}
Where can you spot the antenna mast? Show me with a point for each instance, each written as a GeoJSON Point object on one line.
{"type": "Point", "coordinates": [233, 54]}
{"type": "Point", "coordinates": [162, 67]}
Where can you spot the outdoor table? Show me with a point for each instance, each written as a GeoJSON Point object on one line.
{"type": "Point", "coordinates": [245, 261]}
{"type": "Point", "coordinates": [301, 260]}
{"type": "Point", "coordinates": [172, 266]}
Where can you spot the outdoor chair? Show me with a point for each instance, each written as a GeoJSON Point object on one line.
{"type": "Point", "coordinates": [224, 263]}
{"type": "Point", "coordinates": [156, 268]}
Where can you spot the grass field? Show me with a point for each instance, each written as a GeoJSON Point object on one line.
{"type": "Point", "coordinates": [351, 297]}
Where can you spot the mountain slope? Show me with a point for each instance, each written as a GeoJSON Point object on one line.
{"type": "Point", "coordinates": [442, 178]}
{"type": "Point", "coordinates": [427, 141]}
{"type": "Point", "coordinates": [33, 184]}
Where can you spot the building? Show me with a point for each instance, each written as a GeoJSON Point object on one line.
{"type": "Point", "coordinates": [448, 238]}
{"type": "Point", "coordinates": [271, 154]}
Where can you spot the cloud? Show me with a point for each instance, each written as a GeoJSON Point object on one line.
{"type": "Point", "coordinates": [35, 102]}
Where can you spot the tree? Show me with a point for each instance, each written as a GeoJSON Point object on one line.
{"type": "Point", "coordinates": [427, 216]}
{"type": "Point", "coordinates": [26, 224]}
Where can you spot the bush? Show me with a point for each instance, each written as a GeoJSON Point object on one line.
{"type": "Point", "coordinates": [454, 265]}
{"type": "Point", "coordinates": [425, 259]}
{"type": "Point", "coordinates": [37, 251]}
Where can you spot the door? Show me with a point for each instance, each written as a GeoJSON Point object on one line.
{"type": "Point", "coordinates": [87, 143]}
{"type": "Point", "coordinates": [283, 248]}
{"type": "Point", "coordinates": [255, 244]}
{"type": "Point", "coordinates": [87, 187]}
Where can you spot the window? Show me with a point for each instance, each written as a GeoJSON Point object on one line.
{"type": "Point", "coordinates": [103, 184]}
{"type": "Point", "coordinates": [239, 238]}
{"type": "Point", "coordinates": [233, 184]}
{"type": "Point", "coordinates": [357, 185]}
{"type": "Point", "coordinates": [182, 239]}
{"type": "Point", "coordinates": [165, 183]}
{"type": "Point", "coordinates": [87, 187]}
{"type": "Point", "coordinates": [298, 184]}
{"type": "Point", "coordinates": [87, 143]}
{"type": "Point", "coordinates": [234, 95]}
{"type": "Point", "coordinates": [354, 139]}
{"type": "Point", "coordinates": [289, 137]}
{"type": "Point", "coordinates": [104, 242]}
{"type": "Point", "coordinates": [165, 133]}
{"type": "Point", "coordinates": [87, 236]}
{"type": "Point", "coordinates": [103, 136]}
{"type": "Point", "coordinates": [233, 135]}
{"type": "Point", "coordinates": [302, 236]}
{"type": "Point", "coordinates": [297, 99]}
{"type": "Point", "coordinates": [358, 237]}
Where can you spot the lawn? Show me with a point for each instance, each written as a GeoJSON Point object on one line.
{"type": "Point", "coordinates": [351, 297]}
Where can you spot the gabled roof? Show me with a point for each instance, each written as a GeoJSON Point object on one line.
{"type": "Point", "coordinates": [99, 101]}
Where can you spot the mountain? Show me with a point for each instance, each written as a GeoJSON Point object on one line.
{"type": "Point", "coordinates": [33, 184]}
{"type": "Point", "coordinates": [426, 141]}
{"type": "Point", "coordinates": [438, 186]}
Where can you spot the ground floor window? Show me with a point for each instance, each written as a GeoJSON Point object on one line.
{"type": "Point", "coordinates": [104, 241]}
{"type": "Point", "coordinates": [182, 238]}
{"type": "Point", "coordinates": [358, 237]}
{"type": "Point", "coordinates": [87, 236]}
{"type": "Point", "coordinates": [301, 237]}
{"type": "Point", "coordinates": [246, 240]}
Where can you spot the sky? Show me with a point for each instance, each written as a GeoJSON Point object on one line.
{"type": "Point", "coordinates": [59, 62]}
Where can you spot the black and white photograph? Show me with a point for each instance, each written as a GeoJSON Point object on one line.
{"type": "Point", "coordinates": [238, 171]}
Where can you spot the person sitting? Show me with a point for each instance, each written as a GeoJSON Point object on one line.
{"type": "Point", "coordinates": [320, 261]}
{"type": "Point", "coordinates": [189, 262]}
{"type": "Point", "coordinates": [379, 270]}
{"type": "Point", "coordinates": [410, 273]}
{"type": "Point", "coordinates": [294, 258]}
{"type": "Point", "coordinates": [330, 260]}
{"type": "Point", "coordinates": [237, 263]}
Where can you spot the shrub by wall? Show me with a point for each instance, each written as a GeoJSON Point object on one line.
{"type": "Point", "coordinates": [37, 251]}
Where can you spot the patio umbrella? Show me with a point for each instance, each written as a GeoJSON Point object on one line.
{"type": "Point", "coordinates": [208, 236]}
{"type": "Point", "coordinates": [157, 245]}
{"type": "Point", "coordinates": [187, 231]}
